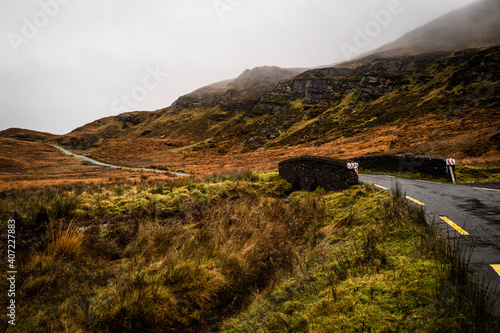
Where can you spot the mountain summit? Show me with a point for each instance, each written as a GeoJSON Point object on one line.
{"type": "Point", "coordinates": [241, 92]}
{"type": "Point", "coordinates": [474, 26]}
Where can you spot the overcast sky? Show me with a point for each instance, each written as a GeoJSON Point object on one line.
{"type": "Point", "coordinates": [65, 63]}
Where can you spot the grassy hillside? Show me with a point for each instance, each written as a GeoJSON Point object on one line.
{"type": "Point", "coordinates": [435, 104]}
{"type": "Point", "coordinates": [233, 253]}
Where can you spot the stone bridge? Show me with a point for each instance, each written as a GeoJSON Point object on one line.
{"type": "Point", "coordinates": [308, 173]}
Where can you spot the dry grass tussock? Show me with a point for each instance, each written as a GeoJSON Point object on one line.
{"type": "Point", "coordinates": [65, 242]}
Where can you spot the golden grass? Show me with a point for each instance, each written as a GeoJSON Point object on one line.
{"type": "Point", "coordinates": [65, 242]}
{"type": "Point", "coordinates": [37, 165]}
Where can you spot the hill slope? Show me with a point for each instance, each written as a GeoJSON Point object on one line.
{"type": "Point", "coordinates": [438, 103]}
{"type": "Point", "coordinates": [239, 93]}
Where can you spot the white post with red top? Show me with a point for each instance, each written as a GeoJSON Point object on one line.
{"type": "Point", "coordinates": [450, 162]}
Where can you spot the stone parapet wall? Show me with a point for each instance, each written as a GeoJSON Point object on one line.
{"type": "Point", "coordinates": [427, 165]}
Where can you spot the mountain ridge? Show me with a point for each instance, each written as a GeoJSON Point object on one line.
{"type": "Point", "coordinates": [457, 92]}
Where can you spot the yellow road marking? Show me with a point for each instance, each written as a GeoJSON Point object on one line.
{"type": "Point", "coordinates": [486, 189]}
{"type": "Point", "coordinates": [415, 201]}
{"type": "Point", "coordinates": [454, 225]}
{"type": "Point", "coordinates": [496, 268]}
{"type": "Point", "coordinates": [384, 188]}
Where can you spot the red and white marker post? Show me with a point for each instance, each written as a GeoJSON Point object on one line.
{"type": "Point", "coordinates": [450, 162]}
{"type": "Point", "coordinates": [353, 166]}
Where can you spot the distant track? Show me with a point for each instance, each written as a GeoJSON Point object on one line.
{"type": "Point", "coordinates": [94, 162]}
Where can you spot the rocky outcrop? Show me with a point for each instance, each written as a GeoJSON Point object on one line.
{"type": "Point", "coordinates": [206, 100]}
{"type": "Point", "coordinates": [269, 89]}
{"type": "Point", "coordinates": [79, 141]}
{"type": "Point", "coordinates": [376, 78]}
{"type": "Point", "coordinates": [128, 119]}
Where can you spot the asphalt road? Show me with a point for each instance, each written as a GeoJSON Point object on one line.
{"type": "Point", "coordinates": [468, 212]}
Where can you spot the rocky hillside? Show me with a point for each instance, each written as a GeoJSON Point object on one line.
{"type": "Point", "coordinates": [438, 103]}
{"type": "Point", "coordinates": [211, 104]}
{"type": "Point", "coordinates": [325, 104]}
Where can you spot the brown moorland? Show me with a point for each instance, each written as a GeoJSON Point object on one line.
{"type": "Point", "coordinates": [34, 164]}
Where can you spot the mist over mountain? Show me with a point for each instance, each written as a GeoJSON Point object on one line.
{"type": "Point", "coordinates": [476, 25]}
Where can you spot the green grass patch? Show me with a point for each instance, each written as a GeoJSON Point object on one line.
{"type": "Point", "coordinates": [466, 174]}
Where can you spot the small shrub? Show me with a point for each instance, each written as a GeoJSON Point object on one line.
{"type": "Point", "coordinates": [120, 235]}
{"type": "Point", "coordinates": [417, 215]}
{"type": "Point", "coordinates": [64, 205]}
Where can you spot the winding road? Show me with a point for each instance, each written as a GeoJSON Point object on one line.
{"type": "Point", "coordinates": [94, 162]}
{"type": "Point", "coordinates": [471, 213]}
